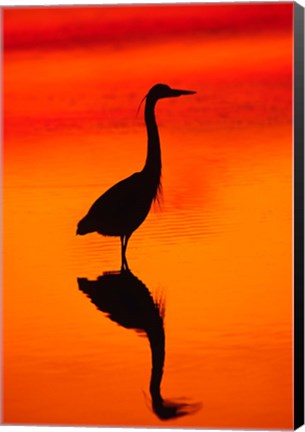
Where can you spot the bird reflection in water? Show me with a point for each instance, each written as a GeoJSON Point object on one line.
{"type": "Point", "coordinates": [128, 302]}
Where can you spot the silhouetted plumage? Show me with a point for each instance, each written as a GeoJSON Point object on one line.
{"type": "Point", "coordinates": [123, 207]}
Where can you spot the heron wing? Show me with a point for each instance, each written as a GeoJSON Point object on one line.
{"type": "Point", "coordinates": [117, 198]}
{"type": "Point", "coordinates": [121, 209]}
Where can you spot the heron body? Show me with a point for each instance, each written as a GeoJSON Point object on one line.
{"type": "Point", "coordinates": [125, 206]}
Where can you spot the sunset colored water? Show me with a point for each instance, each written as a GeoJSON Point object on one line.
{"type": "Point", "coordinates": [215, 253]}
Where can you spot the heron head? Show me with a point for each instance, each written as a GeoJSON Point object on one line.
{"type": "Point", "coordinates": [160, 91]}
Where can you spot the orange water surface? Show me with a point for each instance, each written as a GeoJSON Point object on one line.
{"type": "Point", "coordinates": [216, 253]}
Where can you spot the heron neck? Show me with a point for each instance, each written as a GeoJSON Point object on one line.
{"type": "Point", "coordinates": [156, 339]}
{"type": "Point", "coordinates": [153, 160]}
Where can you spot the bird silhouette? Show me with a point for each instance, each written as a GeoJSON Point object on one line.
{"type": "Point", "coordinates": [127, 301]}
{"type": "Point", "coordinates": [123, 207]}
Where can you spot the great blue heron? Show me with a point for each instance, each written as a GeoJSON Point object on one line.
{"type": "Point", "coordinates": [123, 207]}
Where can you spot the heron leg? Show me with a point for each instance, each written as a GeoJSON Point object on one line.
{"type": "Point", "coordinates": [124, 241]}
{"type": "Point", "coordinates": [122, 253]}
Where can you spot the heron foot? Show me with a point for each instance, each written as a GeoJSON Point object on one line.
{"type": "Point", "coordinates": [124, 267]}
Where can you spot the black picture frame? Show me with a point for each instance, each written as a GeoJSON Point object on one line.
{"type": "Point", "coordinates": [298, 215]}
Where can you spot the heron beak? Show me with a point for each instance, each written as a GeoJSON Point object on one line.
{"type": "Point", "coordinates": [175, 92]}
